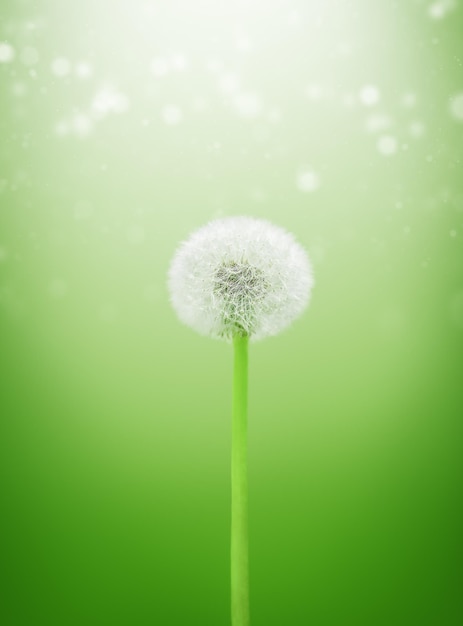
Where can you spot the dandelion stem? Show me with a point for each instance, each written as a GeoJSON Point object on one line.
{"type": "Point", "coordinates": [239, 486]}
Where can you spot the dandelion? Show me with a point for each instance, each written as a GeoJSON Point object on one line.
{"type": "Point", "coordinates": [241, 276]}
{"type": "Point", "coordinates": [240, 279]}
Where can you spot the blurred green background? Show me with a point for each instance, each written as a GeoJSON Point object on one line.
{"type": "Point", "coordinates": [124, 126]}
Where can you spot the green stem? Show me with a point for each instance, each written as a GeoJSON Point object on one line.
{"type": "Point", "coordinates": [239, 487]}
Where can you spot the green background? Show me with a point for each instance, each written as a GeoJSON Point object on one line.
{"type": "Point", "coordinates": [126, 125]}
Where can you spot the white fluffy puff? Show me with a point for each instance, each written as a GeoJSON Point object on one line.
{"type": "Point", "coordinates": [240, 275]}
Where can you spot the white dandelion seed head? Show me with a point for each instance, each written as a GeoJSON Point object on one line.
{"type": "Point", "coordinates": [240, 276]}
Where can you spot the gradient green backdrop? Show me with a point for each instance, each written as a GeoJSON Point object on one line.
{"type": "Point", "coordinates": [125, 125]}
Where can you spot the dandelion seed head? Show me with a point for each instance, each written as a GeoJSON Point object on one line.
{"type": "Point", "coordinates": [240, 275]}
